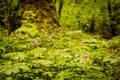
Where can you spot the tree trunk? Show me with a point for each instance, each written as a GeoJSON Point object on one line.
{"type": "Point", "coordinates": [40, 13]}
{"type": "Point", "coordinates": [95, 1]}
{"type": "Point", "coordinates": [113, 28]}
{"type": "Point", "coordinates": [92, 21]}
{"type": "Point", "coordinates": [92, 25]}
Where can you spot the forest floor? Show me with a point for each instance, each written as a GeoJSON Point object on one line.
{"type": "Point", "coordinates": [70, 55]}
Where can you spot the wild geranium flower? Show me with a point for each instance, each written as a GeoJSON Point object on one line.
{"type": "Point", "coordinates": [112, 62]}
{"type": "Point", "coordinates": [18, 34]}
{"type": "Point", "coordinates": [12, 33]}
{"type": "Point", "coordinates": [7, 33]}
{"type": "Point", "coordinates": [58, 54]}
{"type": "Point", "coordinates": [85, 57]}
{"type": "Point", "coordinates": [36, 40]}
{"type": "Point", "coordinates": [52, 35]}
{"type": "Point", "coordinates": [32, 43]}
{"type": "Point", "coordinates": [27, 35]}
{"type": "Point", "coordinates": [51, 43]}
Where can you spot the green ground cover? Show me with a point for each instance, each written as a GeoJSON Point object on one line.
{"type": "Point", "coordinates": [69, 55]}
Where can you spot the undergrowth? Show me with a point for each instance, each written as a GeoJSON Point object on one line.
{"type": "Point", "coordinates": [69, 55]}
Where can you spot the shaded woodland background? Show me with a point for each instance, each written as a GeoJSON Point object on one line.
{"type": "Point", "coordinates": [96, 16]}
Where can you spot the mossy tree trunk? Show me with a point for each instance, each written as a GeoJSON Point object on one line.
{"type": "Point", "coordinates": [39, 13]}
{"type": "Point", "coordinates": [112, 17]}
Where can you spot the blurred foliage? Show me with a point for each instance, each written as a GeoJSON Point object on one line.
{"type": "Point", "coordinates": [10, 14]}
{"type": "Point", "coordinates": [114, 44]}
{"type": "Point", "coordinates": [85, 14]}
{"type": "Point", "coordinates": [95, 16]}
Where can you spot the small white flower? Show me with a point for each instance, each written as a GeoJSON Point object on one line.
{"type": "Point", "coordinates": [27, 35]}
{"type": "Point", "coordinates": [58, 54]}
{"type": "Point", "coordinates": [44, 49]}
{"type": "Point", "coordinates": [112, 62]}
{"type": "Point", "coordinates": [64, 50]}
{"type": "Point", "coordinates": [25, 47]}
{"type": "Point", "coordinates": [83, 41]}
{"type": "Point", "coordinates": [76, 55]}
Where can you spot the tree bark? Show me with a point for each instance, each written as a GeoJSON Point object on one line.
{"type": "Point", "coordinates": [111, 19]}
{"type": "Point", "coordinates": [92, 26]}
{"type": "Point", "coordinates": [92, 21]}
